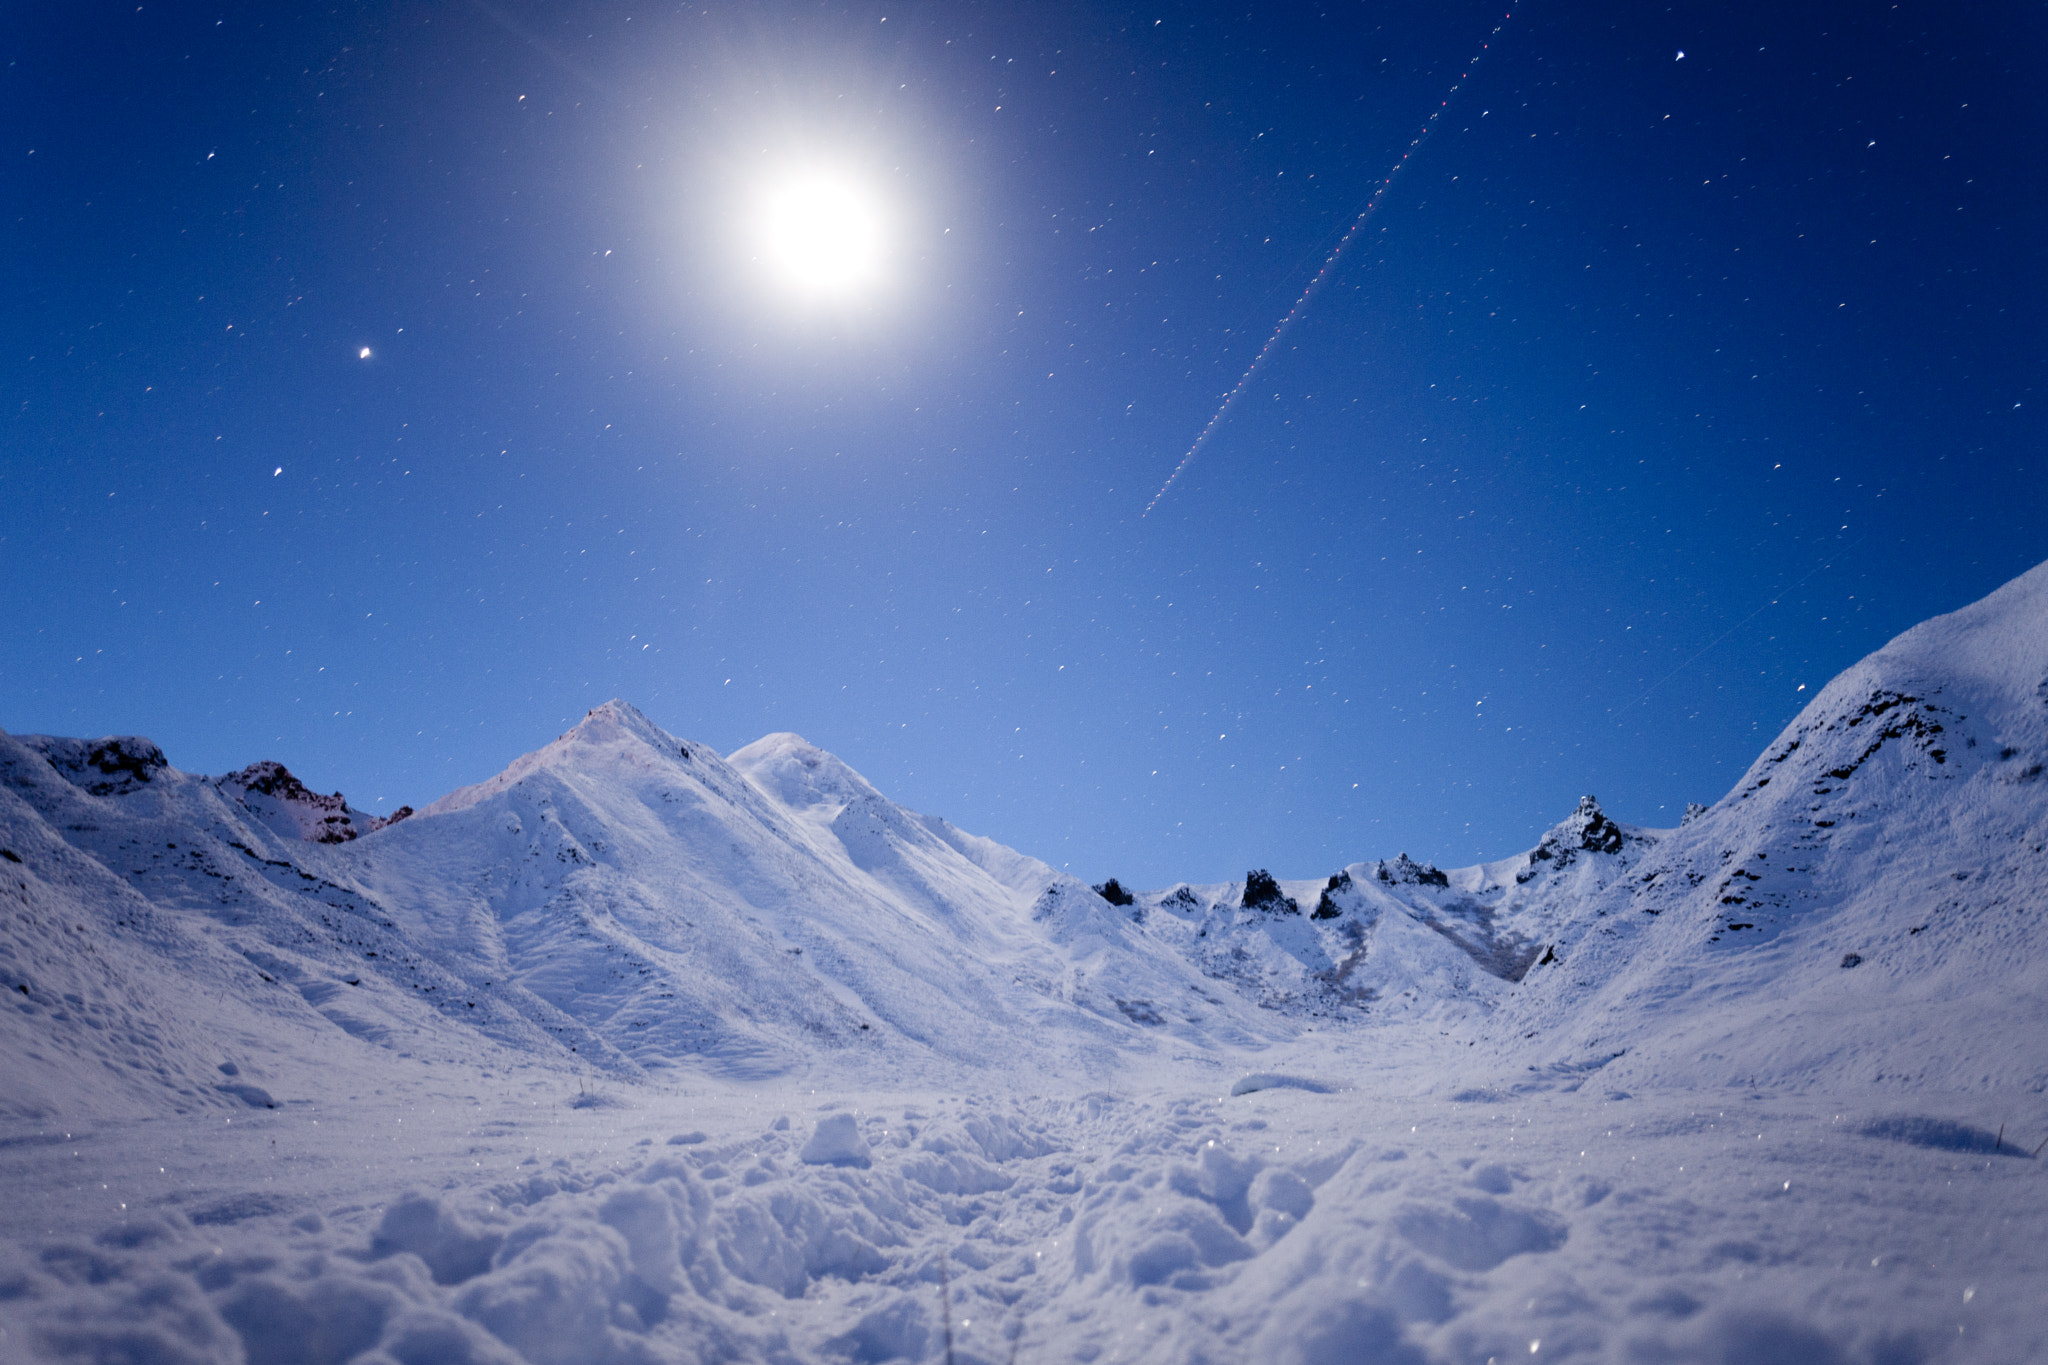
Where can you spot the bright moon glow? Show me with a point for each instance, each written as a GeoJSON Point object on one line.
{"type": "Point", "coordinates": [822, 234]}
{"type": "Point", "coordinates": [363, 354]}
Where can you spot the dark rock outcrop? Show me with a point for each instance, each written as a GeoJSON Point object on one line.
{"type": "Point", "coordinates": [112, 766]}
{"type": "Point", "coordinates": [1261, 892]}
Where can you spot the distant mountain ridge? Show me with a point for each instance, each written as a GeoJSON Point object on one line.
{"type": "Point", "coordinates": [639, 903]}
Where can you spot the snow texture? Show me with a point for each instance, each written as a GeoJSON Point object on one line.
{"type": "Point", "coordinates": [636, 1053]}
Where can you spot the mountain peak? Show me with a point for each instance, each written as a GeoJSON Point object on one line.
{"type": "Point", "coordinates": [274, 779]}
{"type": "Point", "coordinates": [276, 797]}
{"type": "Point", "coordinates": [1402, 870]}
{"type": "Point", "coordinates": [798, 773]}
{"type": "Point", "coordinates": [619, 720]}
{"type": "Point", "coordinates": [1996, 647]}
{"type": "Point", "coordinates": [616, 732]}
{"type": "Point", "coordinates": [1587, 828]}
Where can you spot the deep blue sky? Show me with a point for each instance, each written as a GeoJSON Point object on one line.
{"type": "Point", "coordinates": [1636, 347]}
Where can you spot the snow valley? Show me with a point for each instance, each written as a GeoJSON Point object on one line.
{"type": "Point", "coordinates": [639, 1053]}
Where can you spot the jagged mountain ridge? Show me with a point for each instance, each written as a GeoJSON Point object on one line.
{"type": "Point", "coordinates": [640, 904]}
{"type": "Point", "coordinates": [771, 895]}
{"type": "Point", "coordinates": [1868, 898]}
{"type": "Point", "coordinates": [619, 899]}
{"type": "Point", "coordinates": [1392, 937]}
{"type": "Point", "coordinates": [1770, 1017]}
{"type": "Point", "coordinates": [287, 806]}
{"type": "Point", "coordinates": [633, 902]}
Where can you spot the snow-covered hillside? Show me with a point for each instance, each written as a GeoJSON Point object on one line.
{"type": "Point", "coordinates": [620, 900]}
{"type": "Point", "coordinates": [639, 1053]}
{"type": "Point", "coordinates": [1870, 903]}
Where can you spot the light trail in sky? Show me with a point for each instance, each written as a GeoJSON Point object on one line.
{"type": "Point", "coordinates": [1329, 264]}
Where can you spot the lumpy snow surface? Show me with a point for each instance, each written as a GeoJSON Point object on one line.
{"type": "Point", "coordinates": [639, 1053]}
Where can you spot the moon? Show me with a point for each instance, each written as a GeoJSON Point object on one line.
{"type": "Point", "coordinates": [822, 234]}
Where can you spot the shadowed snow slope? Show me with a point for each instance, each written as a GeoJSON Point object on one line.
{"type": "Point", "coordinates": [635, 1054]}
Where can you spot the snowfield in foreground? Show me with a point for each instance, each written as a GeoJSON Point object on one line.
{"type": "Point", "coordinates": [639, 1053]}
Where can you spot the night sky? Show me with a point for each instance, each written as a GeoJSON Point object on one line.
{"type": "Point", "coordinates": [1656, 388]}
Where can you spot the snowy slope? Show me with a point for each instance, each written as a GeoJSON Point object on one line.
{"type": "Point", "coordinates": [639, 1054]}
{"type": "Point", "coordinates": [1868, 902]}
{"type": "Point", "coordinates": [161, 927]}
{"type": "Point", "coordinates": [619, 899]}
{"type": "Point", "coordinates": [756, 913]}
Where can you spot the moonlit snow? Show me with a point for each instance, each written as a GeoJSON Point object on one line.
{"type": "Point", "coordinates": [637, 1053]}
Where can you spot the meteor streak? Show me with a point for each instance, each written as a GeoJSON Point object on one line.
{"type": "Point", "coordinates": [1329, 264]}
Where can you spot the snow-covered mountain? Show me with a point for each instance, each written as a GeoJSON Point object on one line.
{"type": "Point", "coordinates": [1870, 901]}
{"type": "Point", "coordinates": [619, 897]}
{"type": "Point", "coordinates": [639, 1053]}
{"type": "Point", "coordinates": [1393, 939]}
{"type": "Point", "coordinates": [639, 904]}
